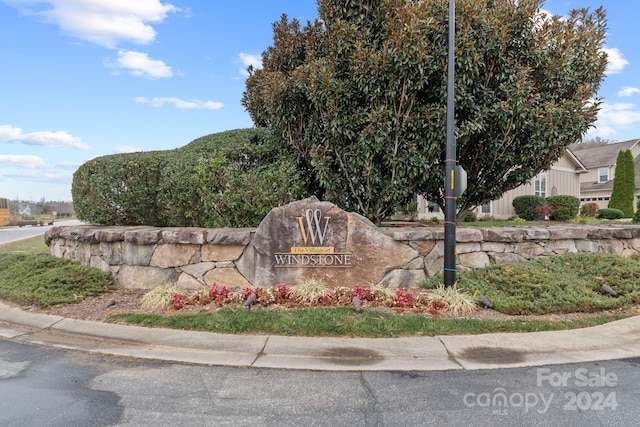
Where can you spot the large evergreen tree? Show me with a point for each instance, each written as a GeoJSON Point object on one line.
{"type": "Point", "coordinates": [624, 184]}
{"type": "Point", "coordinates": [360, 95]}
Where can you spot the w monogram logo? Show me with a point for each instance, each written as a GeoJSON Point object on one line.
{"type": "Point", "coordinates": [314, 230]}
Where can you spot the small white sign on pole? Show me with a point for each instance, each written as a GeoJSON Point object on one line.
{"type": "Point", "coordinates": [460, 177]}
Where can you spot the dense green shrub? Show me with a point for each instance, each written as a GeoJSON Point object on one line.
{"type": "Point", "coordinates": [564, 207]}
{"type": "Point", "coordinates": [590, 209]}
{"type": "Point", "coordinates": [525, 206]}
{"type": "Point", "coordinates": [238, 184]}
{"type": "Point", "coordinates": [119, 189]}
{"type": "Point", "coordinates": [609, 213]}
{"type": "Point", "coordinates": [359, 95]}
{"type": "Point", "coordinates": [636, 215]}
{"type": "Point", "coordinates": [624, 184]}
{"type": "Point", "coordinates": [230, 179]}
{"type": "Point", "coordinates": [467, 216]}
{"type": "Point", "coordinates": [178, 201]}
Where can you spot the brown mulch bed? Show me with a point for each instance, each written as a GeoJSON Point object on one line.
{"type": "Point", "coordinates": [118, 301]}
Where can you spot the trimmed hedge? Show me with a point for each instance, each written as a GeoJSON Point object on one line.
{"type": "Point", "coordinates": [609, 213]}
{"type": "Point", "coordinates": [119, 189]}
{"type": "Point", "coordinates": [525, 206]}
{"type": "Point", "coordinates": [178, 201]}
{"type": "Point", "coordinates": [564, 207]}
{"type": "Point", "coordinates": [230, 179]}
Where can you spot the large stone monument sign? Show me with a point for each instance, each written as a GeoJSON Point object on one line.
{"type": "Point", "coordinates": [312, 239]}
{"type": "Point", "coordinates": [308, 239]}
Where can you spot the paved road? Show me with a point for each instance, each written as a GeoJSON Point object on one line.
{"type": "Point", "coordinates": [52, 387]}
{"type": "Point", "coordinates": [15, 233]}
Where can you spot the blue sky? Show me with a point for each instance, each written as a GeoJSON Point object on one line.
{"type": "Point", "coordinates": [86, 78]}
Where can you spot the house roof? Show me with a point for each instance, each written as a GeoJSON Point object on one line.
{"type": "Point", "coordinates": [580, 167]}
{"type": "Point", "coordinates": [596, 186]}
{"type": "Point", "coordinates": [599, 186]}
{"type": "Point", "coordinates": [604, 155]}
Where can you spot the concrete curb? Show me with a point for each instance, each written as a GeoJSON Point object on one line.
{"type": "Point", "coordinates": [620, 339]}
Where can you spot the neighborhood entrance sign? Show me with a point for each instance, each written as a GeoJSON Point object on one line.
{"type": "Point", "coordinates": [313, 239]}
{"type": "Point", "coordinates": [315, 251]}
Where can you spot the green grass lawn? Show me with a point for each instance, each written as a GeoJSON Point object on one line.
{"type": "Point", "coordinates": [561, 284]}
{"type": "Point", "coordinates": [33, 245]}
{"type": "Point", "coordinates": [29, 275]}
{"type": "Point", "coordinates": [342, 321]}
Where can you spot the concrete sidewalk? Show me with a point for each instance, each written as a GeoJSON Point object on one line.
{"type": "Point", "coordinates": [620, 339]}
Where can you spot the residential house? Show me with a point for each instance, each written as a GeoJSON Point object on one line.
{"type": "Point", "coordinates": [24, 208]}
{"type": "Point", "coordinates": [597, 184]}
{"type": "Point", "coordinates": [563, 178]}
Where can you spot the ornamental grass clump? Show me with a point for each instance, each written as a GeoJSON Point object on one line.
{"type": "Point", "coordinates": [158, 297]}
{"type": "Point", "coordinates": [457, 302]}
{"type": "Point", "coordinates": [309, 291]}
{"type": "Point", "coordinates": [379, 291]}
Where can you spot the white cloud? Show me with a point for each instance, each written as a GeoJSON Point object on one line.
{"type": "Point", "coordinates": [29, 162]}
{"type": "Point", "coordinates": [35, 175]}
{"type": "Point", "coordinates": [42, 138]}
{"type": "Point", "coordinates": [180, 103]}
{"type": "Point", "coordinates": [628, 91]}
{"type": "Point", "coordinates": [104, 22]}
{"type": "Point", "coordinates": [613, 118]}
{"type": "Point", "coordinates": [619, 114]}
{"type": "Point", "coordinates": [140, 65]}
{"type": "Point", "coordinates": [68, 165]}
{"type": "Point", "coordinates": [247, 59]}
{"type": "Point", "coordinates": [616, 61]}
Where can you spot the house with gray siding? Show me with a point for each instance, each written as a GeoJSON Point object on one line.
{"type": "Point", "coordinates": [563, 178]}
{"type": "Point", "coordinates": [597, 184]}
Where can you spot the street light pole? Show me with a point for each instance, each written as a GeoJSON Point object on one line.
{"type": "Point", "coordinates": [450, 162]}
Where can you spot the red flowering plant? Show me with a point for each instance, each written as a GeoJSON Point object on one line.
{"type": "Point", "coordinates": [205, 299]}
{"type": "Point", "coordinates": [363, 293]}
{"type": "Point", "coordinates": [177, 300]}
{"type": "Point", "coordinates": [544, 210]}
{"type": "Point", "coordinates": [219, 295]}
{"type": "Point", "coordinates": [264, 296]}
{"type": "Point", "coordinates": [344, 296]}
{"type": "Point", "coordinates": [246, 292]}
{"type": "Point", "coordinates": [435, 306]}
{"type": "Point", "coordinates": [314, 293]}
{"type": "Point", "coordinates": [282, 294]}
{"type": "Point", "coordinates": [404, 298]}
{"type": "Point", "coordinates": [328, 298]}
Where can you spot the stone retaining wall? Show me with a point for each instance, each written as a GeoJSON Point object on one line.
{"type": "Point", "coordinates": [146, 257]}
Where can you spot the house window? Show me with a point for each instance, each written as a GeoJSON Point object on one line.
{"type": "Point", "coordinates": [540, 185]}
{"type": "Point", "coordinates": [603, 174]}
{"type": "Point", "coordinates": [486, 208]}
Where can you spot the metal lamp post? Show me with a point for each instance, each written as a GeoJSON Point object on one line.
{"type": "Point", "coordinates": [450, 162]}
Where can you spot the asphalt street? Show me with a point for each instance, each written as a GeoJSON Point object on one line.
{"type": "Point", "coordinates": [15, 233]}
{"type": "Point", "coordinates": [44, 386]}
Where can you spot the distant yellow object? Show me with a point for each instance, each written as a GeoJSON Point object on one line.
{"type": "Point", "coordinates": [36, 220]}
{"type": "Point", "coordinates": [5, 216]}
